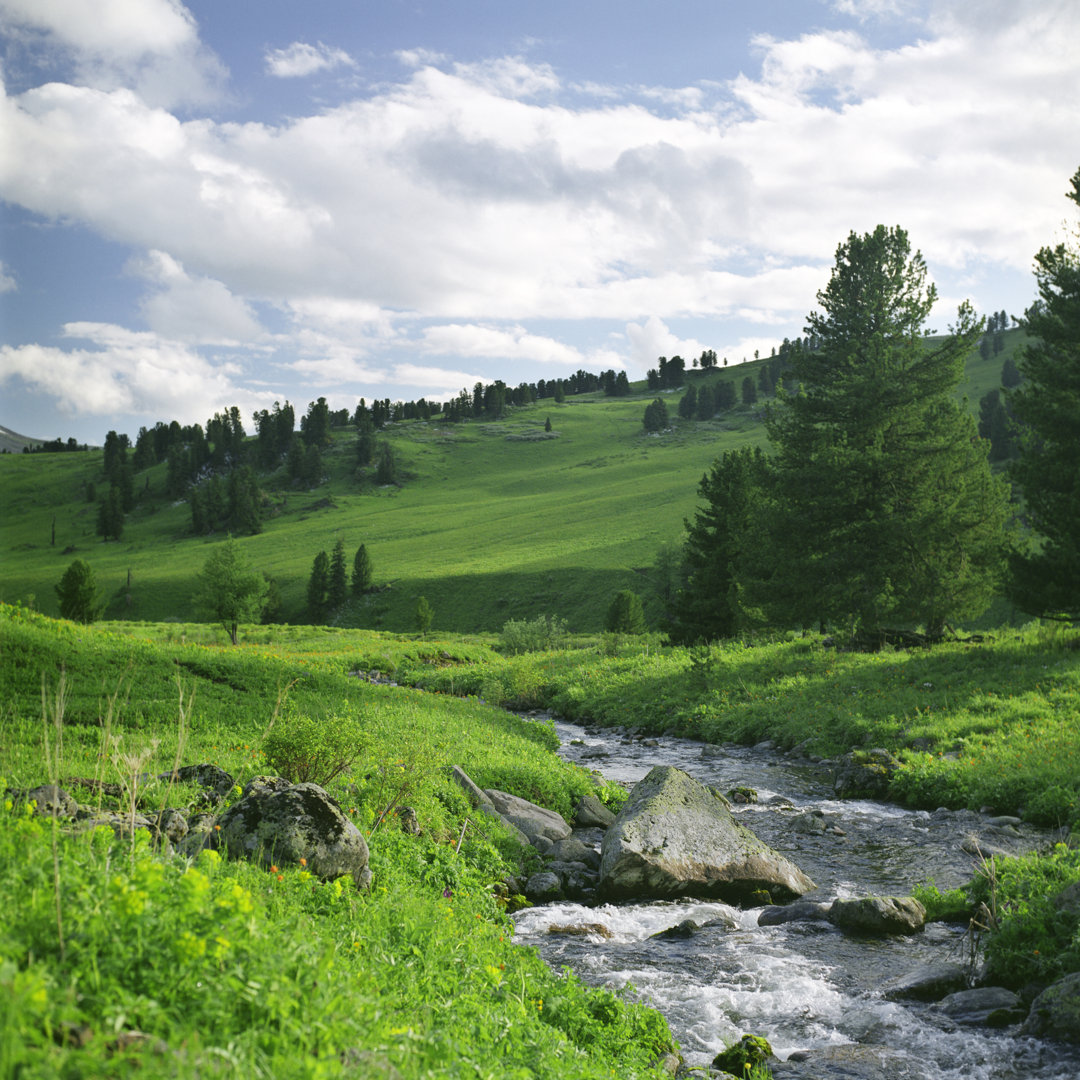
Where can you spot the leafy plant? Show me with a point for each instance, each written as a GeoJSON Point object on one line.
{"type": "Point", "coordinates": [314, 749]}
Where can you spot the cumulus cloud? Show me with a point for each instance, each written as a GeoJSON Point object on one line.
{"type": "Point", "coordinates": [149, 46]}
{"type": "Point", "coordinates": [300, 59]}
{"type": "Point", "coordinates": [7, 281]}
{"type": "Point", "coordinates": [491, 342]}
{"type": "Point", "coordinates": [124, 371]}
{"type": "Point", "coordinates": [196, 310]}
{"type": "Point", "coordinates": [652, 339]}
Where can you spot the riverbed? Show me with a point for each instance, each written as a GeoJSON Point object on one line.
{"type": "Point", "coordinates": [803, 985]}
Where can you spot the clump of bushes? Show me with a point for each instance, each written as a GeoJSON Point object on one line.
{"type": "Point", "coordinates": [532, 635]}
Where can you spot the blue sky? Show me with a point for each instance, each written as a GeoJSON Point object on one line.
{"type": "Point", "coordinates": [232, 202]}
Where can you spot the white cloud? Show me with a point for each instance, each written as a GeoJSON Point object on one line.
{"type": "Point", "coordinates": [196, 310]}
{"type": "Point", "coordinates": [7, 281]}
{"type": "Point", "coordinates": [300, 59]}
{"type": "Point", "coordinates": [477, 197]}
{"type": "Point", "coordinates": [126, 371]}
{"type": "Point", "coordinates": [652, 339]}
{"type": "Point", "coordinates": [150, 46]}
{"type": "Point", "coordinates": [493, 343]}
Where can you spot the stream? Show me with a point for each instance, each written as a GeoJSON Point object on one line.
{"type": "Point", "coordinates": [803, 985]}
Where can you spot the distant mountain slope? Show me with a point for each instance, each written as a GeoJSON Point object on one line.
{"type": "Point", "coordinates": [13, 442]}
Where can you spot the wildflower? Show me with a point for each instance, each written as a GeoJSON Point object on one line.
{"type": "Point", "coordinates": [447, 893]}
{"type": "Point", "coordinates": [303, 861]}
{"type": "Point", "coordinates": [273, 869]}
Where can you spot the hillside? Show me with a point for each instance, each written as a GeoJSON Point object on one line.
{"type": "Point", "coordinates": [495, 520]}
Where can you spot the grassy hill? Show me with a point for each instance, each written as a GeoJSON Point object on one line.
{"type": "Point", "coordinates": [495, 520]}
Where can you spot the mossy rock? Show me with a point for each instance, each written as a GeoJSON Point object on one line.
{"type": "Point", "coordinates": [749, 1051]}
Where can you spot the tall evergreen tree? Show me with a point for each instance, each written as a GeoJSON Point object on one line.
{"type": "Point", "coordinates": [78, 593]}
{"type": "Point", "coordinates": [625, 615]}
{"type": "Point", "coordinates": [1046, 579]}
{"type": "Point", "coordinates": [716, 555]}
{"type": "Point", "coordinates": [337, 589]}
{"type": "Point", "coordinates": [318, 588]}
{"type": "Point", "coordinates": [361, 572]}
{"type": "Point", "coordinates": [886, 513]}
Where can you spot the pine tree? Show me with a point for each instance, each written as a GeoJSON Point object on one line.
{"type": "Point", "coordinates": [656, 416]}
{"type": "Point", "coordinates": [886, 513]}
{"type": "Point", "coordinates": [362, 572]}
{"type": "Point", "coordinates": [78, 593]}
{"type": "Point", "coordinates": [715, 560]}
{"type": "Point", "coordinates": [1045, 580]}
{"type": "Point", "coordinates": [625, 615]}
{"type": "Point", "coordinates": [318, 588]}
{"type": "Point", "coordinates": [338, 584]}
{"type": "Point", "coordinates": [423, 616]}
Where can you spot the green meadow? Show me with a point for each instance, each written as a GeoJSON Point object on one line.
{"type": "Point", "coordinates": [494, 520]}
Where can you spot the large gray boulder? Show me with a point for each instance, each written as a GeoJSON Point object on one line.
{"type": "Point", "coordinates": [675, 837]}
{"type": "Point", "coordinates": [1056, 1011]}
{"type": "Point", "coordinates": [279, 824]}
{"type": "Point", "coordinates": [531, 819]}
{"type": "Point", "coordinates": [984, 1006]}
{"type": "Point", "coordinates": [872, 915]}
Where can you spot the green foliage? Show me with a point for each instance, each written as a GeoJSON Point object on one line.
{"type": "Point", "coordinates": [656, 416]}
{"type": "Point", "coordinates": [1034, 937]}
{"type": "Point", "coordinates": [78, 593]}
{"type": "Point", "coordinates": [233, 971]}
{"type": "Point", "coordinates": [722, 542]}
{"type": "Point", "coordinates": [318, 590]}
{"type": "Point", "coordinates": [1045, 579]}
{"type": "Point", "coordinates": [337, 587]}
{"type": "Point", "coordinates": [886, 513]}
{"type": "Point", "coordinates": [362, 572]}
{"type": "Point", "coordinates": [532, 635]}
{"type": "Point", "coordinates": [231, 591]}
{"type": "Point", "coordinates": [423, 615]}
{"type": "Point", "coordinates": [314, 748]}
{"type": "Point", "coordinates": [953, 905]}
{"type": "Point", "coordinates": [626, 615]}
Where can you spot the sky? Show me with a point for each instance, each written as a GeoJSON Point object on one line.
{"type": "Point", "coordinates": [236, 202]}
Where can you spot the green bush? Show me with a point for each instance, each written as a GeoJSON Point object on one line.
{"type": "Point", "coordinates": [532, 635]}
{"type": "Point", "coordinates": [314, 749]}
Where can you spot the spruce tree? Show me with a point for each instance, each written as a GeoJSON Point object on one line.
{"type": "Point", "coordinates": [78, 593]}
{"type": "Point", "coordinates": [318, 588]}
{"type": "Point", "coordinates": [338, 584]}
{"type": "Point", "coordinates": [886, 513]}
{"type": "Point", "coordinates": [362, 572]}
{"type": "Point", "coordinates": [625, 615]}
{"type": "Point", "coordinates": [716, 554]}
{"type": "Point", "coordinates": [1045, 580]}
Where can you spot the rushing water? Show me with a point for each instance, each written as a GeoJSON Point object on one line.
{"type": "Point", "coordinates": [802, 985]}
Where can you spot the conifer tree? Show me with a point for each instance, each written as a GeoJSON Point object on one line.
{"type": "Point", "coordinates": [318, 588]}
{"type": "Point", "coordinates": [886, 513]}
{"type": "Point", "coordinates": [338, 584]}
{"type": "Point", "coordinates": [716, 554]}
{"type": "Point", "coordinates": [1045, 580]}
{"type": "Point", "coordinates": [231, 591]}
{"type": "Point", "coordinates": [78, 593]}
{"type": "Point", "coordinates": [362, 572]}
{"type": "Point", "coordinates": [625, 615]}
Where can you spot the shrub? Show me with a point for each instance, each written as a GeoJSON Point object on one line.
{"type": "Point", "coordinates": [314, 749]}
{"type": "Point", "coordinates": [532, 635]}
